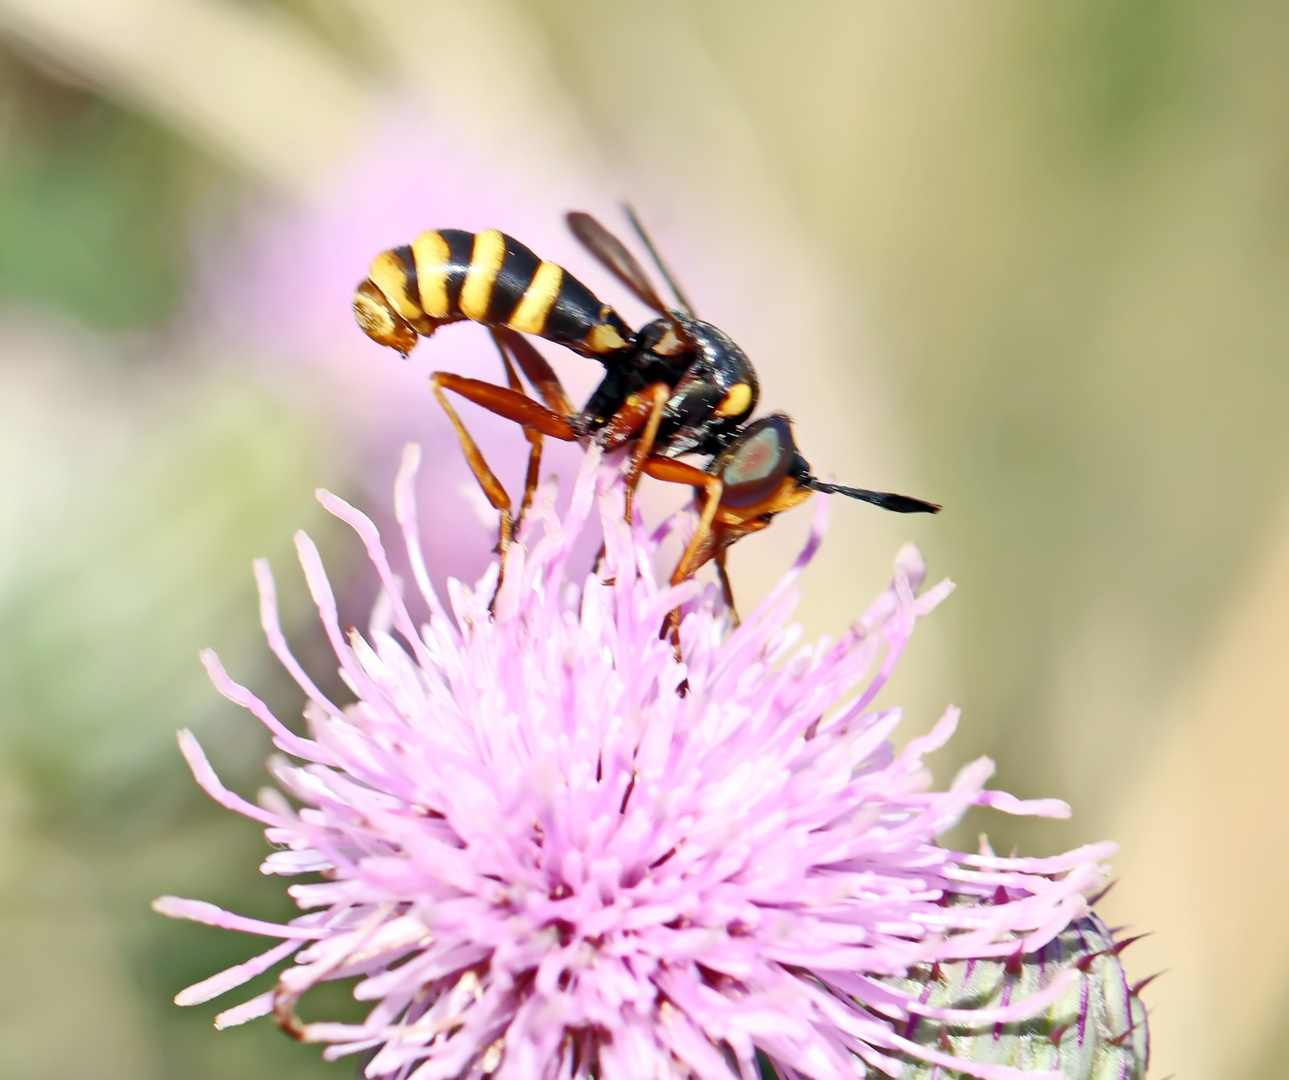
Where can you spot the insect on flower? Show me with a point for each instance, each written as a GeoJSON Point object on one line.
{"type": "Point", "coordinates": [676, 386]}
{"type": "Point", "coordinates": [536, 861]}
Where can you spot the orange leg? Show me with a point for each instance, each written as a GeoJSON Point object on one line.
{"type": "Point", "coordinates": [534, 440]}
{"type": "Point", "coordinates": [513, 406]}
{"type": "Point", "coordinates": [546, 383]}
{"type": "Point", "coordinates": [535, 368]}
{"type": "Point", "coordinates": [655, 397]}
{"type": "Point", "coordinates": [640, 415]}
{"type": "Point", "coordinates": [699, 549]}
{"type": "Point", "coordinates": [507, 403]}
{"type": "Point", "coordinates": [726, 587]}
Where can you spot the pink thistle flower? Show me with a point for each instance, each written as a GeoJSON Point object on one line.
{"type": "Point", "coordinates": [538, 859]}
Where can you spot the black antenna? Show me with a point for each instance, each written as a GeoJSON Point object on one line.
{"type": "Point", "coordinates": [681, 299]}
{"type": "Point", "coordinates": [899, 504]}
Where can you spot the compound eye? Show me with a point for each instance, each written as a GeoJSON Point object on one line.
{"type": "Point", "coordinates": [753, 467]}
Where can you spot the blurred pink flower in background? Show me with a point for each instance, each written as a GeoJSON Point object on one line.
{"type": "Point", "coordinates": [539, 859]}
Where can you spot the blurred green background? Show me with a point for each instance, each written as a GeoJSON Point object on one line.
{"type": "Point", "coordinates": [1027, 260]}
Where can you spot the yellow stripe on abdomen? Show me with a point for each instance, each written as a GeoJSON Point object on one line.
{"type": "Point", "coordinates": [431, 254]}
{"type": "Point", "coordinates": [389, 274]}
{"type": "Point", "coordinates": [529, 316]}
{"type": "Point", "coordinates": [485, 262]}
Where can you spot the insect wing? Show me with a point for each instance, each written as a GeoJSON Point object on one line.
{"type": "Point", "coordinates": [615, 258]}
{"type": "Point", "coordinates": [681, 299]}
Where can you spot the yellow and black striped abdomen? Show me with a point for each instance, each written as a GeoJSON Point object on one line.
{"type": "Point", "coordinates": [447, 275]}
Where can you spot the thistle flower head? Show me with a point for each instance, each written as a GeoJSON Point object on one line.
{"type": "Point", "coordinates": [545, 847]}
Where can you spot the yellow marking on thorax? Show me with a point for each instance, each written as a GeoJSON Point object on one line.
{"type": "Point", "coordinates": [389, 274]}
{"type": "Point", "coordinates": [538, 299]}
{"type": "Point", "coordinates": [431, 254]}
{"type": "Point", "coordinates": [485, 262]}
{"type": "Point", "coordinates": [604, 338]}
{"type": "Point", "coordinates": [670, 345]}
{"type": "Point", "coordinates": [736, 402]}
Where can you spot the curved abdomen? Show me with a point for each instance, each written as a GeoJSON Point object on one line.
{"type": "Point", "coordinates": [449, 275]}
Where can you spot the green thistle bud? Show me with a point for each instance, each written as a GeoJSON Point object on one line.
{"type": "Point", "coordinates": [1096, 1030]}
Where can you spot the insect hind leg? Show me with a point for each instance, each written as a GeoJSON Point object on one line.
{"type": "Point", "coordinates": [512, 405]}
{"type": "Point", "coordinates": [533, 475]}
{"type": "Point", "coordinates": [516, 349]}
